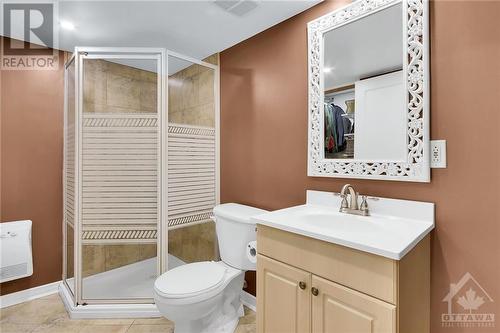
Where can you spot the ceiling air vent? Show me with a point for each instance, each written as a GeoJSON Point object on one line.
{"type": "Point", "coordinates": [237, 7]}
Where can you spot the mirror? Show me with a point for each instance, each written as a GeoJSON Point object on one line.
{"type": "Point", "coordinates": [368, 116]}
{"type": "Point", "coordinates": [363, 63]}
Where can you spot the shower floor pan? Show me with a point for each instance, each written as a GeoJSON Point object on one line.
{"type": "Point", "coordinates": [127, 282]}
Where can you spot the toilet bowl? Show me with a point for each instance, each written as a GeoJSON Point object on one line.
{"type": "Point", "coordinates": [204, 297]}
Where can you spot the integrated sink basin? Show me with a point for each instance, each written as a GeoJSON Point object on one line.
{"type": "Point", "coordinates": [322, 217]}
{"type": "Point", "coordinates": [393, 228]}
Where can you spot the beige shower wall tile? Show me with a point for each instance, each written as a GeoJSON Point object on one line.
{"type": "Point", "coordinates": [207, 114]}
{"type": "Point", "coordinates": [175, 117]}
{"type": "Point", "coordinates": [148, 251]}
{"type": "Point", "coordinates": [70, 248]}
{"type": "Point", "coordinates": [188, 93]}
{"type": "Point", "coordinates": [206, 86]}
{"type": "Point", "coordinates": [122, 91]}
{"type": "Point", "coordinates": [101, 258]}
{"type": "Point", "coordinates": [94, 259]}
{"type": "Point", "coordinates": [115, 88]}
{"type": "Point", "coordinates": [148, 96]}
{"type": "Point", "coordinates": [201, 115]}
{"type": "Point", "coordinates": [193, 243]}
{"type": "Point", "coordinates": [175, 98]}
{"type": "Point", "coordinates": [192, 96]}
{"type": "Point", "coordinates": [213, 59]}
{"type": "Point", "coordinates": [127, 71]}
{"type": "Point", "coordinates": [94, 83]}
{"type": "Point", "coordinates": [120, 255]}
{"type": "Point", "coordinates": [189, 72]}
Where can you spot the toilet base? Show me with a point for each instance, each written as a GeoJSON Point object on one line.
{"type": "Point", "coordinates": [223, 324]}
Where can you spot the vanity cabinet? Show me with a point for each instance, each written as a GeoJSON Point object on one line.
{"type": "Point", "coordinates": [287, 299]}
{"type": "Point", "coordinates": [308, 285]}
{"type": "Point", "coordinates": [338, 309]}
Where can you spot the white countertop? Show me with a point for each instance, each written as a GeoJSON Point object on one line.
{"type": "Point", "coordinates": [393, 228]}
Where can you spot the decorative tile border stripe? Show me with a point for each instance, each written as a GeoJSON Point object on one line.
{"type": "Point", "coordinates": [190, 130]}
{"type": "Point", "coordinates": [120, 122]}
{"type": "Point", "coordinates": [190, 219]}
{"type": "Point", "coordinates": [119, 234]}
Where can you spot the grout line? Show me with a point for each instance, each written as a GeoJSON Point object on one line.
{"type": "Point", "coordinates": [129, 326]}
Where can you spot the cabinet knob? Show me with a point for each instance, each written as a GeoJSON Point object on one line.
{"type": "Point", "coordinates": [314, 291]}
{"type": "Point", "coordinates": [302, 285]}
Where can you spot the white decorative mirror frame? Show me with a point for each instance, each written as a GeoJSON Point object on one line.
{"type": "Point", "coordinates": [416, 72]}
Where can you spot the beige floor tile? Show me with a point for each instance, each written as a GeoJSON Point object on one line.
{"type": "Point", "coordinates": [48, 315]}
{"type": "Point", "coordinates": [127, 322]}
{"type": "Point", "coordinates": [248, 328]}
{"type": "Point", "coordinates": [52, 298]}
{"type": "Point", "coordinates": [16, 328]}
{"type": "Point", "coordinates": [60, 327]}
{"type": "Point", "coordinates": [151, 329]}
{"type": "Point", "coordinates": [105, 329]}
{"type": "Point", "coordinates": [8, 311]}
{"type": "Point", "coordinates": [38, 311]}
{"type": "Point", "coordinates": [247, 319]}
{"type": "Point", "coordinates": [152, 321]}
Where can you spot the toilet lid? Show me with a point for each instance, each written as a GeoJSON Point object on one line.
{"type": "Point", "coordinates": [191, 279]}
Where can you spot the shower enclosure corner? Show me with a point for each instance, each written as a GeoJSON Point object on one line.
{"type": "Point", "coordinates": [130, 175]}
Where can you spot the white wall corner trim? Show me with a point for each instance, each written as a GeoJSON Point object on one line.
{"type": "Point", "coordinates": [249, 300]}
{"type": "Point", "coordinates": [29, 294]}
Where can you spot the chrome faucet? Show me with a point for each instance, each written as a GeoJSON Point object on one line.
{"type": "Point", "coordinates": [351, 206]}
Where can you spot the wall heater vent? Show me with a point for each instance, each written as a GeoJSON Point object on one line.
{"type": "Point", "coordinates": [237, 7]}
{"type": "Point", "coordinates": [16, 260]}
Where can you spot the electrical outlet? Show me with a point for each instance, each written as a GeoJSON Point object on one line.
{"type": "Point", "coordinates": [438, 153]}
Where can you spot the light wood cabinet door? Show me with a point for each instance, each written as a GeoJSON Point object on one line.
{"type": "Point", "coordinates": [337, 309]}
{"type": "Point", "coordinates": [283, 298]}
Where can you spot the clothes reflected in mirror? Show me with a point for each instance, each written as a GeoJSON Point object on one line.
{"type": "Point", "coordinates": [339, 127]}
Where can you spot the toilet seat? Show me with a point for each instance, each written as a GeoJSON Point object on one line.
{"type": "Point", "coordinates": [191, 280]}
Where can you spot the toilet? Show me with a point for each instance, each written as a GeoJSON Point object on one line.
{"type": "Point", "coordinates": [204, 297]}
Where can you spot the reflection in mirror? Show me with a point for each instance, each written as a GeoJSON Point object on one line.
{"type": "Point", "coordinates": [364, 100]}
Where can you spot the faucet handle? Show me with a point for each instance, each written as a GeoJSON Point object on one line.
{"type": "Point", "coordinates": [364, 205]}
{"type": "Point", "coordinates": [343, 204]}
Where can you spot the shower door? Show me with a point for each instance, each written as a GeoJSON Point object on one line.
{"type": "Point", "coordinates": [193, 163]}
{"type": "Point", "coordinates": [124, 221]}
{"type": "Point", "coordinates": [120, 210]}
{"type": "Point", "coordinates": [69, 182]}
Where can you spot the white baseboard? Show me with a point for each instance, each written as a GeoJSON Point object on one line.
{"type": "Point", "coordinates": [28, 294]}
{"type": "Point", "coordinates": [248, 300]}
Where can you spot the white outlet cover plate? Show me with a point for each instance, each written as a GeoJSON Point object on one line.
{"type": "Point", "coordinates": [438, 153]}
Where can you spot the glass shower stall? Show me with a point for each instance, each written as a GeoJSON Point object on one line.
{"type": "Point", "coordinates": [141, 174]}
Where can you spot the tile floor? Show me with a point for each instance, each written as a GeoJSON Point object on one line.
{"type": "Point", "coordinates": [48, 315]}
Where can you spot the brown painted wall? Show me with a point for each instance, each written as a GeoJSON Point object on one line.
{"type": "Point", "coordinates": [31, 165]}
{"type": "Point", "coordinates": [264, 136]}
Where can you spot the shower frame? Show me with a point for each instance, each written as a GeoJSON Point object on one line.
{"type": "Point", "coordinates": [76, 304]}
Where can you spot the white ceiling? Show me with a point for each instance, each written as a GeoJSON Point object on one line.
{"type": "Point", "coordinates": [194, 28]}
{"type": "Point", "coordinates": [371, 45]}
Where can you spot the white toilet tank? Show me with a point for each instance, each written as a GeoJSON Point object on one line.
{"type": "Point", "coordinates": [235, 230]}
